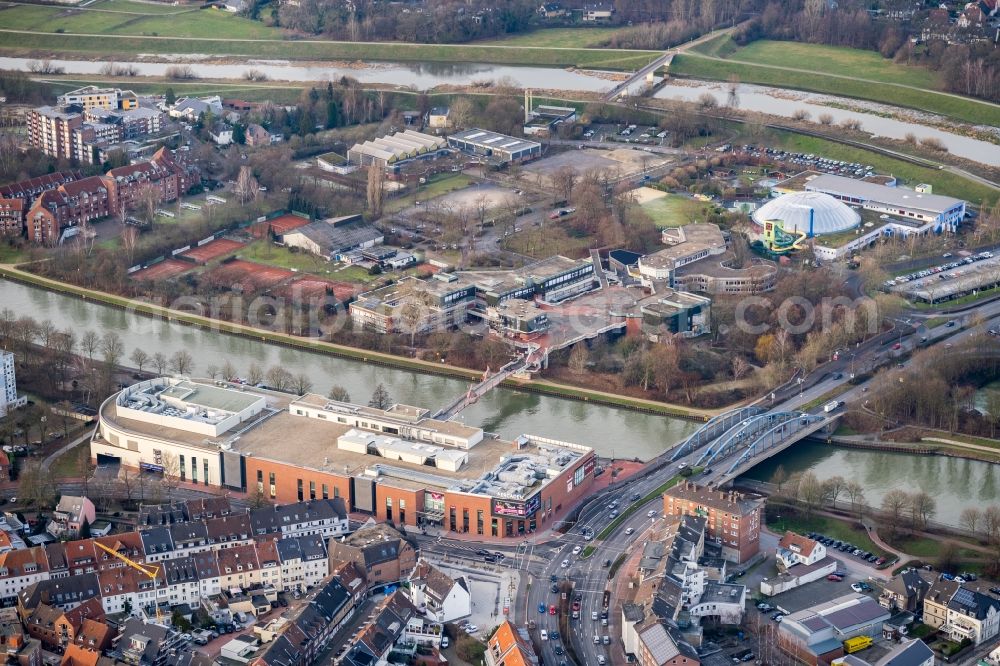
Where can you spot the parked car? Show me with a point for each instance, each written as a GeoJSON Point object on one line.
{"type": "Point", "coordinates": [835, 578]}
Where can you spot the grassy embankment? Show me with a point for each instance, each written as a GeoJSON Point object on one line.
{"type": "Point", "coordinates": [836, 529]}
{"type": "Point", "coordinates": [56, 30]}
{"type": "Point", "coordinates": [898, 85]}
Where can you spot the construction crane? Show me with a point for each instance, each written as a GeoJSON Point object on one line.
{"type": "Point", "coordinates": [151, 571]}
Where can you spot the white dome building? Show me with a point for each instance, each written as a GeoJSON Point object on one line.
{"type": "Point", "coordinates": [814, 213]}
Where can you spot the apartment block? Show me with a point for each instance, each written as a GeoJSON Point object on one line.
{"type": "Point", "coordinates": [50, 130]}
{"type": "Point", "coordinates": [733, 518]}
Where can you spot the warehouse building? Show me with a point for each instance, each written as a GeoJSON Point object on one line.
{"type": "Point", "coordinates": [397, 464]}
{"type": "Point", "coordinates": [498, 148]}
{"type": "Point", "coordinates": [395, 148]}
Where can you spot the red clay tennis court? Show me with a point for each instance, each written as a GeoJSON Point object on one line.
{"type": "Point", "coordinates": [212, 250]}
{"type": "Point", "coordinates": [312, 287]}
{"type": "Point", "coordinates": [164, 270]}
{"type": "Point", "coordinates": [246, 273]}
{"type": "Point", "coordinates": [281, 224]}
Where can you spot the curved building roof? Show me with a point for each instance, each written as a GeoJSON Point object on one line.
{"type": "Point", "coordinates": [802, 211]}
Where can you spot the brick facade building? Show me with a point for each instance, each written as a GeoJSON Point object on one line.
{"type": "Point", "coordinates": [734, 519]}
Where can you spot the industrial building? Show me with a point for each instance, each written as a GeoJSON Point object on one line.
{"type": "Point", "coordinates": [395, 148]}
{"type": "Point", "coordinates": [398, 464]}
{"type": "Point", "coordinates": [542, 120]}
{"type": "Point", "coordinates": [333, 237]}
{"type": "Point", "coordinates": [496, 148]}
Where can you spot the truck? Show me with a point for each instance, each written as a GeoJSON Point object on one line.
{"type": "Point", "coordinates": [830, 406]}
{"type": "Point", "coordinates": [856, 644]}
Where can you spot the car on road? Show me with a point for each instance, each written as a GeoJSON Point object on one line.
{"type": "Point", "coordinates": [593, 615]}
{"type": "Point", "coordinates": [482, 551]}
{"type": "Point", "coordinates": [445, 642]}
{"type": "Point", "coordinates": [565, 564]}
{"type": "Point", "coordinates": [651, 513]}
{"type": "Point", "coordinates": [471, 628]}
{"type": "Point", "coordinates": [541, 609]}
{"type": "Point", "coordinates": [544, 635]}
{"type": "Point", "coordinates": [613, 514]}
{"type": "Point", "coordinates": [558, 649]}
{"type": "Point", "coordinates": [552, 609]}
{"type": "Point", "coordinates": [636, 497]}
{"type": "Point", "coordinates": [576, 550]}
{"type": "Point", "coordinates": [897, 346]}
{"type": "Point", "coordinates": [601, 660]}
{"type": "Point", "coordinates": [555, 588]}
{"type": "Point", "coordinates": [553, 578]}
{"type": "Point", "coordinates": [951, 324]}
{"type": "Point", "coordinates": [553, 635]}
{"type": "Point", "coordinates": [629, 531]}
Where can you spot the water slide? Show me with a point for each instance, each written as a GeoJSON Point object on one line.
{"type": "Point", "coordinates": [780, 241]}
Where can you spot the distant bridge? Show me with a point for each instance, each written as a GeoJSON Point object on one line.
{"type": "Point", "coordinates": [733, 442]}
{"type": "Point", "coordinates": [625, 87]}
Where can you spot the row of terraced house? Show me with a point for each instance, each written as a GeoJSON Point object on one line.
{"type": "Point", "coordinates": [197, 556]}
{"type": "Point", "coordinates": [51, 208]}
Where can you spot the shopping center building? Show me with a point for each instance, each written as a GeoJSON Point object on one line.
{"type": "Point", "coordinates": [397, 464]}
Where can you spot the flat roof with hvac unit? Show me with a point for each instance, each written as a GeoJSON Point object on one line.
{"type": "Point", "coordinates": [244, 438]}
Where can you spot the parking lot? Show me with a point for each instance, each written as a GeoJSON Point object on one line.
{"type": "Point", "coordinates": [955, 278]}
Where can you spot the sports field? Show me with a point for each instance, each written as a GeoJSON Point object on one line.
{"type": "Point", "coordinates": [213, 250]}
{"type": "Point", "coordinates": [166, 269]}
{"type": "Point", "coordinates": [246, 274]}
{"type": "Point", "coordinates": [675, 210]}
{"type": "Point", "coordinates": [280, 225]}
{"type": "Point", "coordinates": [308, 287]}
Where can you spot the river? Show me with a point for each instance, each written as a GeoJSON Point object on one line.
{"type": "Point", "coordinates": [955, 483]}
{"type": "Point", "coordinates": [422, 76]}
{"type": "Point", "coordinates": [610, 431]}
{"type": "Point", "coordinates": [785, 103]}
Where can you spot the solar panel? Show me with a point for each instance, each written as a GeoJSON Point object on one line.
{"type": "Point", "coordinates": [965, 597]}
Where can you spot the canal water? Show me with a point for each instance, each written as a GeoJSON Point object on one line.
{"type": "Point", "coordinates": [954, 482]}
{"type": "Point", "coordinates": [610, 431]}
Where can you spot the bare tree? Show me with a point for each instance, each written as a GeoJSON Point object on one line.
{"type": "Point", "coordinates": [255, 375]}
{"type": "Point", "coordinates": [140, 357]}
{"type": "Point", "coordinates": [247, 188]}
{"type": "Point", "coordinates": [147, 201]}
{"type": "Point", "coordinates": [339, 393]}
{"type": "Point", "coordinates": [279, 379]}
{"type": "Point", "coordinates": [856, 493]}
{"type": "Point", "coordinates": [113, 348]}
{"type": "Point", "coordinates": [228, 371]}
{"type": "Point", "coordinates": [181, 362]}
{"type": "Point", "coordinates": [160, 362]}
{"type": "Point", "coordinates": [894, 503]}
{"type": "Point", "coordinates": [834, 487]}
{"type": "Point", "coordinates": [302, 383]}
{"type": "Point", "coordinates": [810, 492]}
{"type": "Point", "coordinates": [970, 519]}
{"type": "Point", "coordinates": [922, 508]}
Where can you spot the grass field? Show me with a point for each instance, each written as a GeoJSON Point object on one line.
{"type": "Point", "coordinates": [196, 32]}
{"type": "Point", "coordinates": [544, 242]}
{"type": "Point", "coordinates": [831, 527]}
{"type": "Point", "coordinates": [944, 182]}
{"type": "Point", "coordinates": [572, 38]}
{"type": "Point", "coordinates": [263, 252]}
{"type": "Point", "coordinates": [137, 7]}
{"type": "Point", "coordinates": [437, 185]}
{"type": "Point", "coordinates": [964, 109]}
{"type": "Point", "coordinates": [674, 210]}
{"type": "Point", "coordinates": [840, 60]}
{"type": "Point", "coordinates": [205, 23]}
